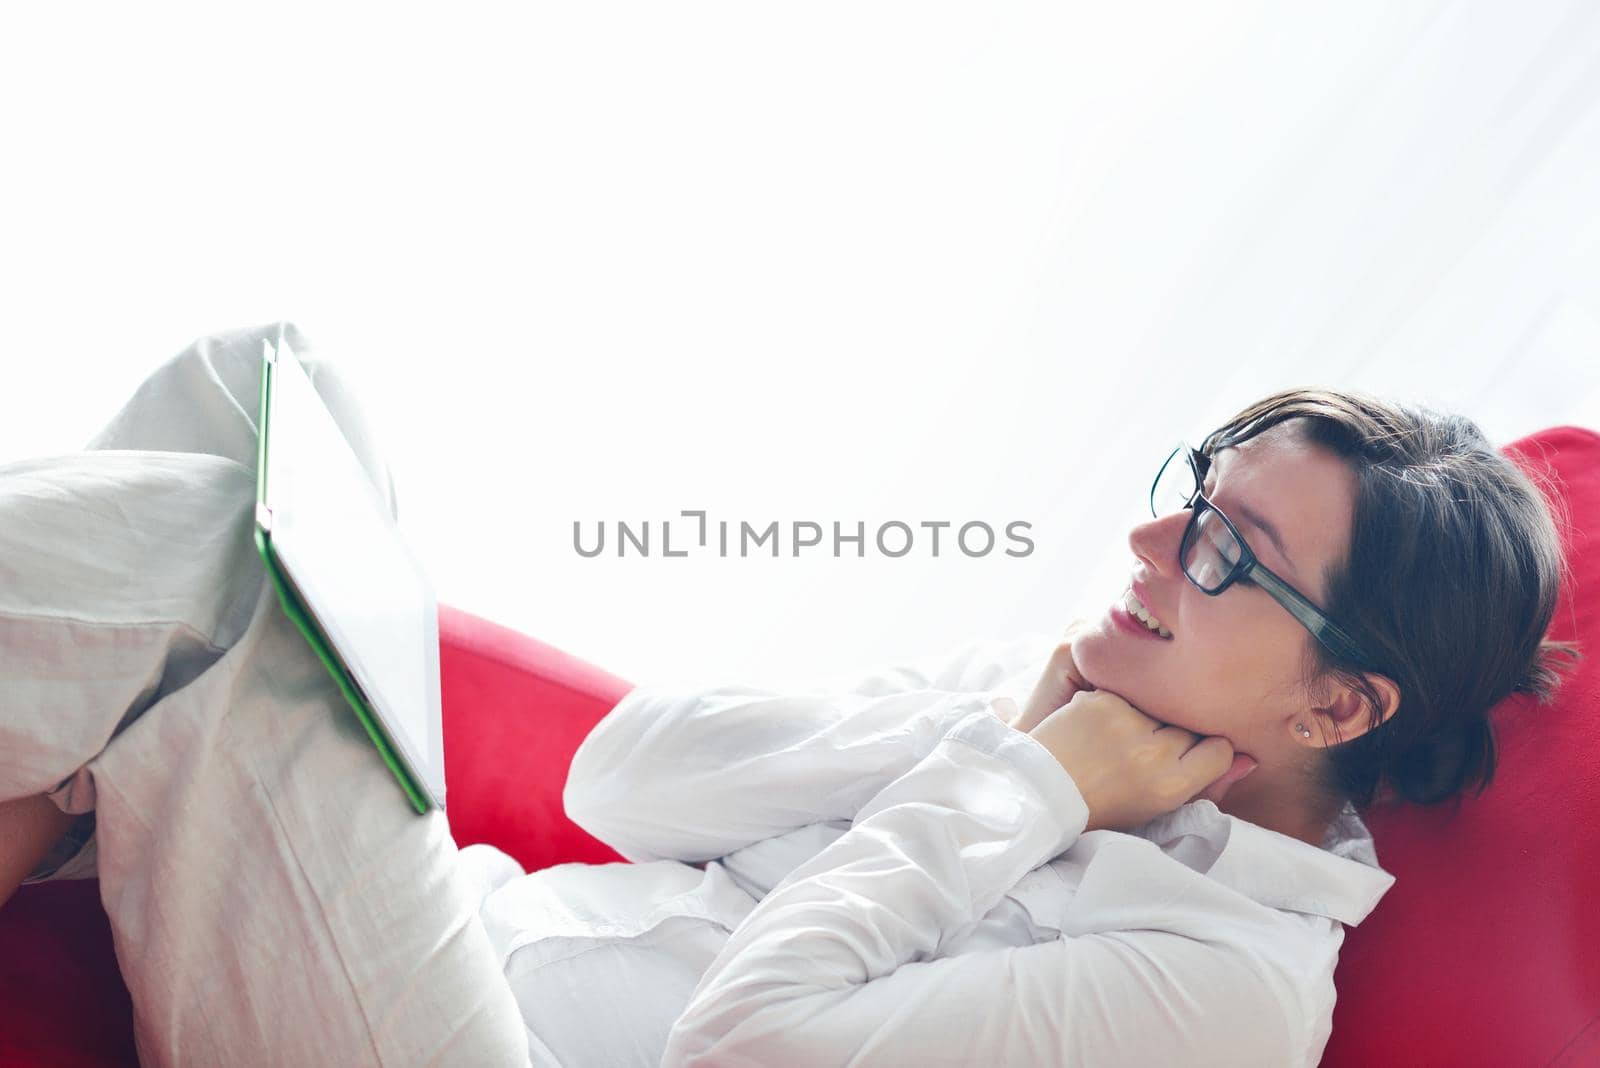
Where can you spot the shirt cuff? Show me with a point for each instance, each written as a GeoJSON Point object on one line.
{"type": "Point", "coordinates": [1037, 765]}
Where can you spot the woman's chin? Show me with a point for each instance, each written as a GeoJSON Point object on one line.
{"type": "Point", "coordinates": [1104, 646]}
{"type": "Point", "coordinates": [1097, 654]}
{"type": "Point", "coordinates": [1108, 660]}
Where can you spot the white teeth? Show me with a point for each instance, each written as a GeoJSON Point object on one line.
{"type": "Point", "coordinates": [1137, 608]}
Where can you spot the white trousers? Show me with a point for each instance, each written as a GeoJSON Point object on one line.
{"type": "Point", "coordinates": [273, 896]}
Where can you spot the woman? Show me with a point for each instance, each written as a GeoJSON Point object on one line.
{"type": "Point", "coordinates": [1150, 859]}
{"type": "Point", "coordinates": [1325, 605]}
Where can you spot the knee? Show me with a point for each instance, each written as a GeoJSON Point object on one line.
{"type": "Point", "coordinates": [235, 355]}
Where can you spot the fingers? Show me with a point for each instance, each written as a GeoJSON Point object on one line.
{"type": "Point", "coordinates": [1241, 766]}
{"type": "Point", "coordinates": [1208, 765]}
{"type": "Point", "coordinates": [1072, 628]}
{"type": "Point", "coordinates": [1056, 686]}
{"type": "Point", "coordinates": [1207, 760]}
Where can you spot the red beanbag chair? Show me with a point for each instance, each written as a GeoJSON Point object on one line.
{"type": "Point", "coordinates": [1485, 952]}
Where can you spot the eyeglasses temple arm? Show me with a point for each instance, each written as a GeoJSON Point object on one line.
{"type": "Point", "coordinates": [1323, 628]}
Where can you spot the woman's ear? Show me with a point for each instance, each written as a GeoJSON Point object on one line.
{"type": "Point", "coordinates": [1348, 715]}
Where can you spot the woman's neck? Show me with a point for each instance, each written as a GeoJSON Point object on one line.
{"type": "Point", "coordinates": [1279, 800]}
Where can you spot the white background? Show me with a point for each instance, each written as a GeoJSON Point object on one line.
{"type": "Point", "coordinates": [828, 262]}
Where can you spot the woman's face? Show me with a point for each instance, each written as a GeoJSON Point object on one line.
{"type": "Point", "coordinates": [1233, 664]}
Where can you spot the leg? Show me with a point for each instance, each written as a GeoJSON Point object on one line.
{"type": "Point", "coordinates": [272, 895]}
{"type": "Point", "coordinates": [207, 399]}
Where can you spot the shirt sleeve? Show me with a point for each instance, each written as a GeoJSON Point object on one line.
{"type": "Point", "coordinates": [837, 964]}
{"type": "Point", "coordinates": [694, 775]}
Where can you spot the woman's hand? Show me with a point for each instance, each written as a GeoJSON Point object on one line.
{"type": "Point", "coordinates": [1060, 682]}
{"type": "Point", "coordinates": [1131, 768]}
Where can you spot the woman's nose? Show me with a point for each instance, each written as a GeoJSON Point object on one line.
{"type": "Point", "coordinates": [1156, 541]}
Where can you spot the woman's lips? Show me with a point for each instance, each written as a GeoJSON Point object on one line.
{"type": "Point", "coordinates": [1130, 622]}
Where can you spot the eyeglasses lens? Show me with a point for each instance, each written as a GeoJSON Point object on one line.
{"type": "Point", "coordinates": [1210, 549]}
{"type": "Point", "coordinates": [1175, 487]}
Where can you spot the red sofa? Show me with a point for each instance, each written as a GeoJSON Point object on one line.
{"type": "Point", "coordinates": [1485, 952]}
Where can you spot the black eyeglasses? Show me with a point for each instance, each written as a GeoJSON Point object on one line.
{"type": "Point", "coordinates": [1215, 555]}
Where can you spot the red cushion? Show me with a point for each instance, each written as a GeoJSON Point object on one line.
{"type": "Point", "coordinates": [62, 999]}
{"type": "Point", "coordinates": [1486, 951]}
{"type": "Point", "coordinates": [515, 710]}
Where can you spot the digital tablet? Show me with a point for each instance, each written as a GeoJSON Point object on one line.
{"type": "Point", "coordinates": [346, 577]}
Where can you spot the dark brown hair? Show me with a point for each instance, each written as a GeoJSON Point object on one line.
{"type": "Point", "coordinates": [1450, 582]}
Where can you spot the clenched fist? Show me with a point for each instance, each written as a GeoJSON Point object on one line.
{"type": "Point", "coordinates": [1129, 767]}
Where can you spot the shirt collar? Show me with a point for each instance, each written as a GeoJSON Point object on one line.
{"type": "Point", "coordinates": [1341, 879]}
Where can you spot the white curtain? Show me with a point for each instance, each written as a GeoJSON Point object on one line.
{"type": "Point", "coordinates": [844, 262]}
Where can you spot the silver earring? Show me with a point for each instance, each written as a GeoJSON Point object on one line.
{"type": "Point", "coordinates": [1303, 729]}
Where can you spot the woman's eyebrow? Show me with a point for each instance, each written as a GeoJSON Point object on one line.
{"type": "Point", "coordinates": [1255, 519]}
{"type": "Point", "coordinates": [1265, 527]}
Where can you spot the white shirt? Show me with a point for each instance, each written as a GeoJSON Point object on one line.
{"type": "Point", "coordinates": [882, 872]}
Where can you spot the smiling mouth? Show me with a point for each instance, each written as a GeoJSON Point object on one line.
{"type": "Point", "coordinates": [1138, 611]}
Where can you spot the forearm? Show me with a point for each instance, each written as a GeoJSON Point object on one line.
{"type": "Point", "coordinates": [29, 826]}
{"type": "Point", "coordinates": [695, 775]}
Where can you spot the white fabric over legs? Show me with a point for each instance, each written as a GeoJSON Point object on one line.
{"type": "Point", "coordinates": [272, 894]}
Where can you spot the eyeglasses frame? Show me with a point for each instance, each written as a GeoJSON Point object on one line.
{"type": "Point", "coordinates": [1324, 629]}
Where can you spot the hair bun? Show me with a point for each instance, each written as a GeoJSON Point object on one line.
{"type": "Point", "coordinates": [1432, 767]}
